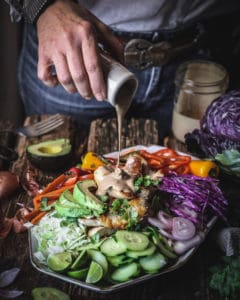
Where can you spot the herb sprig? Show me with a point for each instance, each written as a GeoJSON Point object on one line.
{"type": "Point", "coordinates": [226, 277]}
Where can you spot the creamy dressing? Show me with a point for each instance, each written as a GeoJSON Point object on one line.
{"type": "Point", "coordinates": [116, 183]}
{"type": "Point", "coordinates": [122, 103]}
{"type": "Point", "coordinates": [120, 115]}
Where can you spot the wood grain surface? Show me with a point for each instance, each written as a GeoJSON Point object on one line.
{"type": "Point", "coordinates": [103, 136]}
{"type": "Point", "coordinates": [188, 283]}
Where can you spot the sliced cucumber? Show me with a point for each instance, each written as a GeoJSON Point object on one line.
{"type": "Point", "coordinates": [148, 251]}
{"type": "Point", "coordinates": [98, 257]}
{"type": "Point", "coordinates": [111, 248]}
{"type": "Point", "coordinates": [125, 272]}
{"type": "Point", "coordinates": [152, 263]}
{"type": "Point", "coordinates": [119, 260]}
{"type": "Point", "coordinates": [132, 240]}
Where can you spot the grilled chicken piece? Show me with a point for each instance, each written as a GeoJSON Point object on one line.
{"type": "Point", "coordinates": [116, 221]}
{"type": "Point", "coordinates": [101, 231]}
{"type": "Point", "coordinates": [135, 165]}
{"type": "Point", "coordinates": [101, 172]}
{"type": "Point", "coordinates": [119, 184]}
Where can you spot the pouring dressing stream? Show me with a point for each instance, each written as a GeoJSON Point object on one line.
{"type": "Point", "coordinates": [121, 87]}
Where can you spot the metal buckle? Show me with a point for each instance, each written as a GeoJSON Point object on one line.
{"type": "Point", "coordinates": [141, 54]}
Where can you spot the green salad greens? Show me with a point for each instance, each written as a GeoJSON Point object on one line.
{"type": "Point", "coordinates": [56, 235]}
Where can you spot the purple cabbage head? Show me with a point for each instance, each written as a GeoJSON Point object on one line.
{"type": "Point", "coordinates": [219, 127]}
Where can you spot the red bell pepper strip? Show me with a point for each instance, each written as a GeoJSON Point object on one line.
{"type": "Point", "coordinates": [167, 152]}
{"type": "Point", "coordinates": [86, 177]}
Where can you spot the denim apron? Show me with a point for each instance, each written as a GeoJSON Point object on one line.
{"type": "Point", "coordinates": [153, 99]}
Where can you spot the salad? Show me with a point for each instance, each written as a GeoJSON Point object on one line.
{"type": "Point", "coordinates": [107, 221]}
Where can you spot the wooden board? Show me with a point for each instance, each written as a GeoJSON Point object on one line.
{"type": "Point", "coordinates": [103, 136]}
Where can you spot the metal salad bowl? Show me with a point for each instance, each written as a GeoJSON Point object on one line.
{"type": "Point", "coordinates": [107, 286]}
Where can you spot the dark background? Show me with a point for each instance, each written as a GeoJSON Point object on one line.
{"type": "Point", "coordinates": [10, 105]}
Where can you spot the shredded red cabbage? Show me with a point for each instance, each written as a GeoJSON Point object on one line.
{"type": "Point", "coordinates": [190, 193]}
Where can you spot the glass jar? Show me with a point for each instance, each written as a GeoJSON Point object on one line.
{"type": "Point", "coordinates": [198, 83]}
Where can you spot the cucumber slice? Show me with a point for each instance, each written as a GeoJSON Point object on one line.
{"type": "Point", "coordinates": [132, 240]}
{"type": "Point", "coordinates": [125, 272]}
{"type": "Point", "coordinates": [148, 251]}
{"type": "Point", "coordinates": [98, 257]}
{"type": "Point", "coordinates": [152, 263]}
{"type": "Point", "coordinates": [118, 260]}
{"type": "Point", "coordinates": [111, 248]}
{"type": "Point", "coordinates": [48, 293]}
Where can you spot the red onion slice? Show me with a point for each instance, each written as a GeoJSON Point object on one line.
{"type": "Point", "coordinates": [166, 234]}
{"type": "Point", "coordinates": [183, 229]}
{"type": "Point", "coordinates": [165, 219]}
{"type": "Point", "coordinates": [181, 247]}
{"type": "Point", "coordinates": [156, 222]}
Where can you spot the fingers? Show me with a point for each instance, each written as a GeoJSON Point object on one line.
{"type": "Point", "coordinates": [78, 70]}
{"type": "Point", "coordinates": [93, 67]}
{"type": "Point", "coordinates": [68, 38]}
{"type": "Point", "coordinates": [63, 73]}
{"type": "Point", "coordinates": [73, 76]}
{"type": "Point", "coordinates": [78, 73]}
{"type": "Point", "coordinates": [45, 73]}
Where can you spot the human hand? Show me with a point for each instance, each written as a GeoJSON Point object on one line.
{"type": "Point", "coordinates": [68, 37]}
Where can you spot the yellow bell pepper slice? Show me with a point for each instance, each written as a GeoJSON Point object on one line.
{"type": "Point", "coordinates": [204, 168]}
{"type": "Point", "coordinates": [91, 161]}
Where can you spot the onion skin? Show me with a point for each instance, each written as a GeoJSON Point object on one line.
{"type": "Point", "coordinates": [9, 183]}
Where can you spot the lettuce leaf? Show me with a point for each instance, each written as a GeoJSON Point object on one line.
{"type": "Point", "coordinates": [229, 161]}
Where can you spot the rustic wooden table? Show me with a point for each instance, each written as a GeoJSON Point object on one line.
{"type": "Point", "coordinates": [189, 282]}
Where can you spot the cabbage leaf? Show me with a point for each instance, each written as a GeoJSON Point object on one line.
{"type": "Point", "coordinates": [229, 161]}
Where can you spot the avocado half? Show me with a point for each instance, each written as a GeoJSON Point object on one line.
{"type": "Point", "coordinates": [51, 155]}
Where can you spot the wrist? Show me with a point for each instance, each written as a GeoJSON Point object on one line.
{"type": "Point", "coordinates": [32, 9]}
